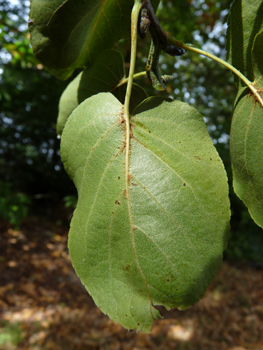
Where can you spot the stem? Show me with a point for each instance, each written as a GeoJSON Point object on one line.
{"type": "Point", "coordinates": [224, 63]}
{"type": "Point", "coordinates": [135, 15]}
{"type": "Point", "coordinates": [124, 81]}
{"type": "Point", "coordinates": [134, 21]}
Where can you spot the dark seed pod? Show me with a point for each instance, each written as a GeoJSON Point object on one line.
{"type": "Point", "coordinates": [174, 51]}
{"type": "Point", "coordinates": [144, 23]}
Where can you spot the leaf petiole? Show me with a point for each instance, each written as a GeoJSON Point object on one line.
{"type": "Point", "coordinates": [224, 63]}
{"type": "Point", "coordinates": [134, 22]}
{"type": "Point", "coordinates": [124, 81]}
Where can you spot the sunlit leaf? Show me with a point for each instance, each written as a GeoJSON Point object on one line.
{"type": "Point", "coordinates": [154, 236]}
{"type": "Point", "coordinates": [246, 146]}
{"type": "Point", "coordinates": [66, 34]}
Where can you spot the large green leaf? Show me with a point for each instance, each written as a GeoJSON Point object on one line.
{"type": "Point", "coordinates": [157, 239]}
{"type": "Point", "coordinates": [246, 147]}
{"type": "Point", "coordinates": [102, 76]}
{"type": "Point", "coordinates": [245, 21]}
{"type": "Point", "coordinates": [66, 34]}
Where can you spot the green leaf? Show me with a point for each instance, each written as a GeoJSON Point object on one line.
{"type": "Point", "coordinates": [67, 103]}
{"type": "Point", "coordinates": [67, 34]}
{"type": "Point", "coordinates": [246, 147]}
{"type": "Point", "coordinates": [104, 75]}
{"type": "Point", "coordinates": [244, 22]}
{"type": "Point", "coordinates": [257, 53]}
{"type": "Point", "coordinates": [154, 236]}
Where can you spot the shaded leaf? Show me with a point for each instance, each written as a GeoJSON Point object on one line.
{"type": "Point", "coordinates": [244, 22]}
{"type": "Point", "coordinates": [257, 53]}
{"type": "Point", "coordinates": [246, 147]}
{"type": "Point", "coordinates": [66, 34]}
{"type": "Point", "coordinates": [158, 239]}
{"type": "Point", "coordinates": [103, 76]}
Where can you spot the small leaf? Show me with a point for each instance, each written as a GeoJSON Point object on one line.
{"type": "Point", "coordinates": [104, 75]}
{"type": "Point", "coordinates": [244, 22]}
{"type": "Point", "coordinates": [67, 103]}
{"type": "Point", "coordinates": [69, 34]}
{"type": "Point", "coordinates": [246, 147]}
{"type": "Point", "coordinates": [158, 238]}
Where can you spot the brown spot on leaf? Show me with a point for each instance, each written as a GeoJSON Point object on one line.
{"type": "Point", "coordinates": [128, 267]}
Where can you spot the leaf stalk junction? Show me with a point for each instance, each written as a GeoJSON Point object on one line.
{"type": "Point", "coordinates": [161, 42]}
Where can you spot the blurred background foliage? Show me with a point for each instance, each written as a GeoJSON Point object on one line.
{"type": "Point", "coordinates": [31, 174]}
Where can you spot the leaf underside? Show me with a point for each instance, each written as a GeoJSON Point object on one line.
{"type": "Point", "coordinates": [158, 239]}
{"type": "Point", "coordinates": [67, 34]}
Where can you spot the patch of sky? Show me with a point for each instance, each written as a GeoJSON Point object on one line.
{"type": "Point", "coordinates": [181, 62]}
{"type": "Point", "coordinates": [197, 37]}
{"type": "Point", "coordinates": [18, 2]}
{"type": "Point", "coordinates": [26, 140]}
{"type": "Point", "coordinates": [224, 138]}
{"type": "Point", "coordinates": [212, 127]}
{"type": "Point", "coordinates": [7, 121]}
{"type": "Point", "coordinates": [186, 95]}
{"type": "Point", "coordinates": [13, 17]}
{"type": "Point", "coordinates": [28, 107]}
{"type": "Point", "coordinates": [5, 57]}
